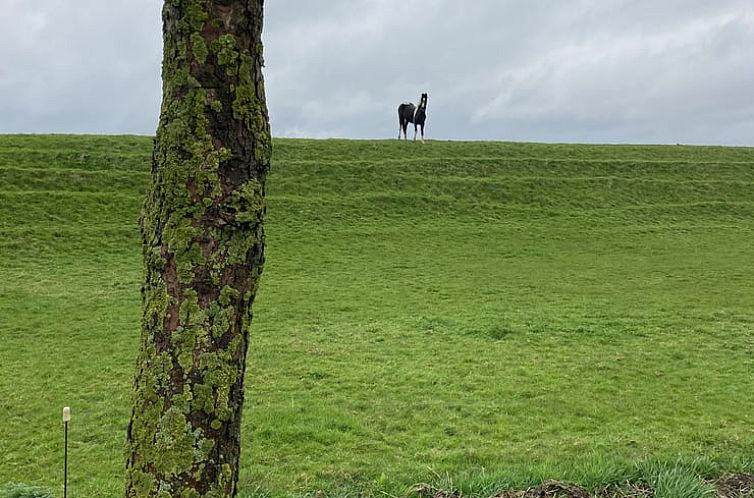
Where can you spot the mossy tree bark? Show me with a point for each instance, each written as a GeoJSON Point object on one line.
{"type": "Point", "coordinates": [203, 243]}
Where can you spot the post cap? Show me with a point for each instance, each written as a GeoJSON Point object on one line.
{"type": "Point", "coordinates": [66, 414]}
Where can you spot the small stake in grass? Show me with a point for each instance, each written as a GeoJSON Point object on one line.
{"type": "Point", "coordinates": [66, 419]}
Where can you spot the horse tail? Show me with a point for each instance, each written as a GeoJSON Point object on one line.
{"type": "Point", "coordinates": [400, 121]}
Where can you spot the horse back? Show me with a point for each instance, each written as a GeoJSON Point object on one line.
{"type": "Point", "coordinates": [406, 111]}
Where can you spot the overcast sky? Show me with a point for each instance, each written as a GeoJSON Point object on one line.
{"type": "Point", "coordinates": [639, 71]}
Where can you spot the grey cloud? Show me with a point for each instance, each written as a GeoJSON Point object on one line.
{"type": "Point", "coordinates": [585, 71]}
{"type": "Point", "coordinates": [83, 66]}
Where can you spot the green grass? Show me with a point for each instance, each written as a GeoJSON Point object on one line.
{"type": "Point", "coordinates": [477, 316]}
{"type": "Point", "coordinates": [24, 491]}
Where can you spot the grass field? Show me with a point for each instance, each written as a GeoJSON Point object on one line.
{"type": "Point", "coordinates": [478, 316]}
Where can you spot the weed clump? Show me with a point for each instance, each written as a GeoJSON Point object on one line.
{"type": "Point", "coordinates": [24, 491]}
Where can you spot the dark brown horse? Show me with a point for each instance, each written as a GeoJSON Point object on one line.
{"type": "Point", "coordinates": [408, 113]}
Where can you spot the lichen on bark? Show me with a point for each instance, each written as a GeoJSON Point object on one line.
{"type": "Point", "coordinates": [203, 249]}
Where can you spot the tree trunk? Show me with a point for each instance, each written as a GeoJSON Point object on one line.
{"type": "Point", "coordinates": [203, 244]}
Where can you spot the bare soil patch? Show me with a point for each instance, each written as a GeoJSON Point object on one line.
{"type": "Point", "coordinates": [735, 486]}
{"type": "Point", "coordinates": [730, 486]}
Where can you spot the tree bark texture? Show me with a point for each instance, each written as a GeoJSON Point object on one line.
{"type": "Point", "coordinates": [203, 244]}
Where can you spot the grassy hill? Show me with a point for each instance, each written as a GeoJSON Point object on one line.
{"type": "Point", "coordinates": [472, 315]}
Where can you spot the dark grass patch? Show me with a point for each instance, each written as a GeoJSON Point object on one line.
{"type": "Point", "coordinates": [498, 332]}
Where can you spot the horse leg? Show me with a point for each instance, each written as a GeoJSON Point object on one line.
{"type": "Point", "coordinates": [415, 131]}
{"type": "Point", "coordinates": [422, 133]}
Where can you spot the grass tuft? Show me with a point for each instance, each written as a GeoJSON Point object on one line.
{"type": "Point", "coordinates": [24, 491]}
